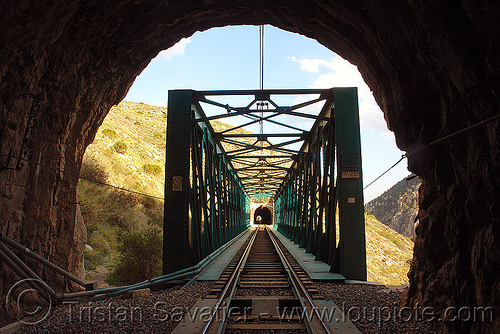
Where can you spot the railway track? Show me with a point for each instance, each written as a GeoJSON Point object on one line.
{"type": "Point", "coordinates": [262, 290]}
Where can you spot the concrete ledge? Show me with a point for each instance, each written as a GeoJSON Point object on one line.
{"type": "Point", "coordinates": [352, 281]}
{"type": "Point", "coordinates": [334, 318]}
{"type": "Point", "coordinates": [197, 317]}
{"type": "Point", "coordinates": [214, 270]}
{"type": "Point", "coordinates": [317, 270]}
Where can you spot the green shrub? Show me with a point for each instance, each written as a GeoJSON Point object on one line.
{"type": "Point", "coordinates": [120, 208]}
{"type": "Point", "coordinates": [111, 134]}
{"type": "Point", "coordinates": [160, 140]}
{"type": "Point", "coordinates": [93, 259]}
{"type": "Point", "coordinates": [153, 209]}
{"type": "Point", "coordinates": [102, 242]}
{"type": "Point", "coordinates": [140, 255]}
{"type": "Point", "coordinates": [159, 136]}
{"type": "Point", "coordinates": [101, 204]}
{"type": "Point", "coordinates": [91, 169]}
{"type": "Point", "coordinates": [152, 169]}
{"type": "Point", "coordinates": [149, 202]}
{"type": "Point", "coordinates": [120, 147]}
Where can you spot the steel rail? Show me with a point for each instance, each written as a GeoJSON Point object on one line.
{"type": "Point", "coordinates": [298, 285]}
{"type": "Point", "coordinates": [231, 283]}
{"type": "Point", "coordinates": [224, 301]}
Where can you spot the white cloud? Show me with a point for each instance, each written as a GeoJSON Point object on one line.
{"type": "Point", "coordinates": [311, 65]}
{"type": "Point", "coordinates": [388, 135]}
{"type": "Point", "coordinates": [338, 72]}
{"type": "Point", "coordinates": [312, 109]}
{"type": "Point", "coordinates": [176, 50]}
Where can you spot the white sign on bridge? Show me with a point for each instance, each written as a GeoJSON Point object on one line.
{"type": "Point", "coordinates": [177, 183]}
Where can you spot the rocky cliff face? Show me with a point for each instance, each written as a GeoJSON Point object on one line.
{"type": "Point", "coordinates": [397, 207]}
{"type": "Point", "coordinates": [434, 67]}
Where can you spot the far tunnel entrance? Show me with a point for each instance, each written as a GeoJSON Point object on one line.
{"type": "Point", "coordinates": [263, 215]}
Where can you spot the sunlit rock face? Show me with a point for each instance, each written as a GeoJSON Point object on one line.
{"type": "Point", "coordinates": [434, 68]}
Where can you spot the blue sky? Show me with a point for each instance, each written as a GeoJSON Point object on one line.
{"type": "Point", "coordinates": [228, 58]}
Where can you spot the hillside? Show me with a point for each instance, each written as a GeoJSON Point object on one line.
{"type": "Point", "coordinates": [129, 152]}
{"type": "Point", "coordinates": [397, 207]}
{"type": "Point", "coordinates": [388, 253]}
{"type": "Point", "coordinates": [132, 137]}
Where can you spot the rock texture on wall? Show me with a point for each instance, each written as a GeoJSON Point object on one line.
{"type": "Point", "coordinates": [434, 67]}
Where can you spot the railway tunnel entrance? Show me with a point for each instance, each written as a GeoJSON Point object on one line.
{"type": "Point", "coordinates": [454, 84]}
{"type": "Point", "coordinates": [263, 215]}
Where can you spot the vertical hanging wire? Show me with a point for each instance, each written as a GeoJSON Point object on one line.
{"type": "Point", "coordinates": [261, 74]}
{"type": "Point", "coordinates": [261, 79]}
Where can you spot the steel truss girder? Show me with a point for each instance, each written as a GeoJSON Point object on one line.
{"type": "Point", "coordinates": [306, 203]}
{"type": "Point", "coordinates": [306, 185]}
{"type": "Point", "coordinates": [210, 205]}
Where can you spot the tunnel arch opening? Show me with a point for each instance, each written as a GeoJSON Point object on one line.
{"type": "Point", "coordinates": [263, 215]}
{"type": "Point", "coordinates": [325, 68]}
{"type": "Point", "coordinates": [377, 67]}
{"type": "Point", "coordinates": [429, 78]}
{"type": "Point", "coordinates": [380, 78]}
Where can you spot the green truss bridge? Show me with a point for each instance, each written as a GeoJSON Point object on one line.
{"type": "Point", "coordinates": [296, 152]}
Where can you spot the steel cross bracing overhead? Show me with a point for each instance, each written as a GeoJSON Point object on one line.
{"type": "Point", "coordinates": [213, 171]}
{"type": "Point", "coordinates": [261, 160]}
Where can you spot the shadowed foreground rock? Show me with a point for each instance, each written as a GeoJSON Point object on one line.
{"type": "Point", "coordinates": [434, 68]}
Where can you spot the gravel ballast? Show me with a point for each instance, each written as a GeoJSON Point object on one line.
{"type": "Point", "coordinates": [374, 309]}
{"type": "Point", "coordinates": [157, 312]}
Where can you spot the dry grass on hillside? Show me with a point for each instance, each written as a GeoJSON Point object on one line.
{"type": "Point", "coordinates": [388, 253]}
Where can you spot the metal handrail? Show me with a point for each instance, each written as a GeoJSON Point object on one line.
{"type": "Point", "coordinates": [40, 259]}
{"type": "Point", "coordinates": [21, 269]}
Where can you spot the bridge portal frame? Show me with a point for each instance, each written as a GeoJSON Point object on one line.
{"type": "Point", "coordinates": [198, 170]}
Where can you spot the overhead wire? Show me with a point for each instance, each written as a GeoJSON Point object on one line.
{"type": "Point", "coordinates": [261, 66]}
{"type": "Point", "coordinates": [406, 155]}
{"type": "Point", "coordinates": [82, 177]}
{"type": "Point", "coordinates": [261, 76]}
{"type": "Point", "coordinates": [378, 177]}
{"type": "Point", "coordinates": [261, 80]}
{"type": "Point", "coordinates": [437, 141]}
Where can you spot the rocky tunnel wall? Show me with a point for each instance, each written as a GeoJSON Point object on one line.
{"type": "Point", "coordinates": [434, 68]}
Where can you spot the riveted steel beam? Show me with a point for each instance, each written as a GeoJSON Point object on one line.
{"type": "Point", "coordinates": [350, 185]}
{"type": "Point", "coordinates": [225, 169]}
